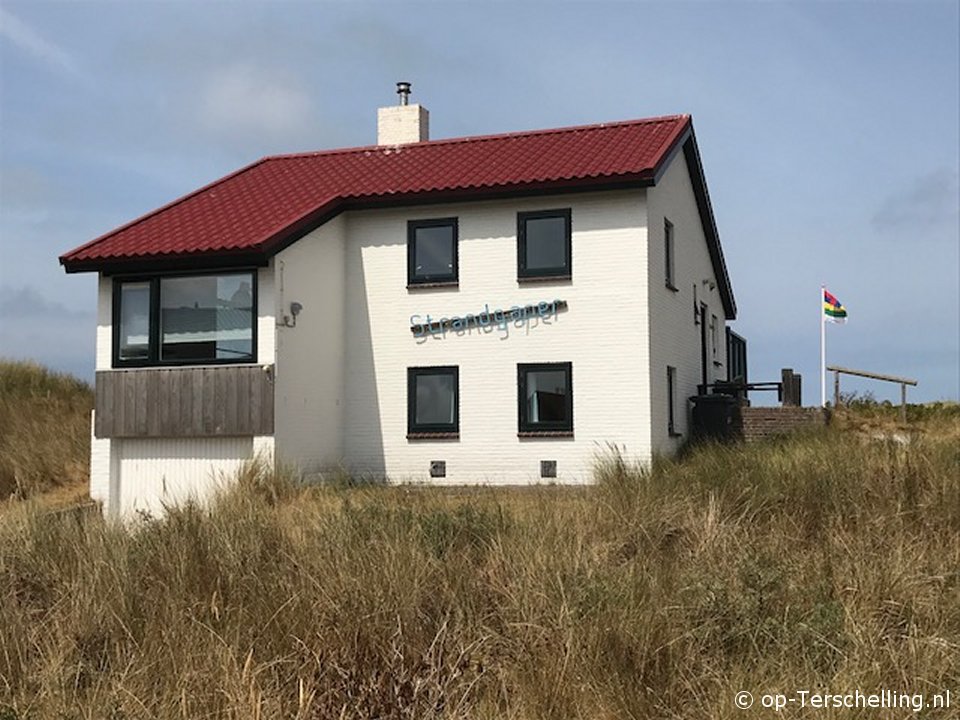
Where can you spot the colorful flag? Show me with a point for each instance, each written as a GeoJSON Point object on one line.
{"type": "Point", "coordinates": [832, 308]}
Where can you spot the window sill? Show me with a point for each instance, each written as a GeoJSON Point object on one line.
{"type": "Point", "coordinates": [536, 279]}
{"type": "Point", "coordinates": [671, 286]}
{"type": "Point", "coordinates": [432, 285]}
{"type": "Point", "coordinates": [545, 434]}
{"type": "Point", "coordinates": [433, 436]}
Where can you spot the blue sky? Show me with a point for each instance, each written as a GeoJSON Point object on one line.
{"type": "Point", "coordinates": [828, 131]}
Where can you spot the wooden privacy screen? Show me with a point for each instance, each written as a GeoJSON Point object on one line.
{"type": "Point", "coordinates": [185, 402]}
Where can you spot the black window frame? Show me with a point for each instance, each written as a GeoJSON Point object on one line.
{"type": "Point", "coordinates": [672, 401]}
{"type": "Point", "coordinates": [153, 338]}
{"type": "Point", "coordinates": [543, 428]}
{"type": "Point", "coordinates": [448, 279]}
{"type": "Point", "coordinates": [436, 430]}
{"type": "Point", "coordinates": [564, 273]}
{"type": "Point", "coordinates": [715, 338]}
{"type": "Point", "coordinates": [670, 255]}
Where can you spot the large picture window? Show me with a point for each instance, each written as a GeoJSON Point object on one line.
{"type": "Point", "coordinates": [543, 244]}
{"type": "Point", "coordinates": [432, 252]}
{"type": "Point", "coordinates": [433, 400]}
{"type": "Point", "coordinates": [545, 398]}
{"type": "Point", "coordinates": [185, 319]}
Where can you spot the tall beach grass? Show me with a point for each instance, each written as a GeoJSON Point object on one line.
{"type": "Point", "coordinates": [44, 429]}
{"type": "Point", "coordinates": [830, 560]}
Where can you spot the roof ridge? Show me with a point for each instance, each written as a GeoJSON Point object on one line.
{"type": "Point", "coordinates": [479, 138]}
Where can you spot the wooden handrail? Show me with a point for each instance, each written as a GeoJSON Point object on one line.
{"type": "Point", "coordinates": [875, 376]}
{"type": "Point", "coordinates": [901, 381]}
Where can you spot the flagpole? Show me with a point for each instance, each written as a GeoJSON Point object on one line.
{"type": "Point", "coordinates": [823, 350]}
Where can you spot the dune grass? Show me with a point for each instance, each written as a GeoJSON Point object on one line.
{"type": "Point", "coordinates": [44, 429]}
{"type": "Point", "coordinates": [828, 560]}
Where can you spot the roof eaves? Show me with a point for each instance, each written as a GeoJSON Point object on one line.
{"type": "Point", "coordinates": [707, 220]}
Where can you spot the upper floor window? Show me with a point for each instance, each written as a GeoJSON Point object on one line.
{"type": "Point", "coordinates": [545, 397]}
{"type": "Point", "coordinates": [432, 251]}
{"type": "Point", "coordinates": [185, 319]}
{"type": "Point", "coordinates": [543, 244]}
{"type": "Point", "coordinates": [668, 254]}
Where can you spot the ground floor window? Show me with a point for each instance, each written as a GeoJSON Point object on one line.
{"type": "Point", "coordinates": [185, 319]}
{"type": "Point", "coordinates": [545, 397]}
{"type": "Point", "coordinates": [672, 400]}
{"type": "Point", "coordinates": [433, 400]}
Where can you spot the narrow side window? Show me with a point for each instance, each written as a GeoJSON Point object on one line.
{"type": "Point", "coordinates": [672, 401]}
{"type": "Point", "coordinates": [668, 254]}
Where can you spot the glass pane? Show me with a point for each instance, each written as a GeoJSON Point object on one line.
{"type": "Point", "coordinates": [546, 396]}
{"type": "Point", "coordinates": [435, 402]}
{"type": "Point", "coordinates": [208, 317]}
{"type": "Point", "coordinates": [134, 321]}
{"type": "Point", "coordinates": [433, 251]}
{"type": "Point", "coordinates": [546, 243]}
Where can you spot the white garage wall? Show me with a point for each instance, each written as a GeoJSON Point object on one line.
{"type": "Point", "coordinates": [154, 472]}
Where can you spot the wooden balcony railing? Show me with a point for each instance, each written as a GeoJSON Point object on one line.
{"type": "Point", "coordinates": [226, 400]}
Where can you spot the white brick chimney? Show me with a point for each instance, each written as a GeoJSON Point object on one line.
{"type": "Point", "coordinates": [402, 123]}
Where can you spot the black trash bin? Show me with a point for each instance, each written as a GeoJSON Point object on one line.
{"type": "Point", "coordinates": [714, 417]}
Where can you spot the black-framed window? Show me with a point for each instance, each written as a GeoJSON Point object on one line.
{"type": "Point", "coordinates": [432, 251]}
{"type": "Point", "coordinates": [545, 397]}
{"type": "Point", "coordinates": [668, 254]}
{"type": "Point", "coordinates": [544, 244]}
{"type": "Point", "coordinates": [433, 400]}
{"type": "Point", "coordinates": [714, 324]}
{"type": "Point", "coordinates": [672, 401]}
{"type": "Point", "coordinates": [195, 319]}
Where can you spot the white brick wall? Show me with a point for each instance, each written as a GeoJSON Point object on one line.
{"type": "Point", "coordinates": [603, 334]}
{"type": "Point", "coordinates": [104, 357]}
{"type": "Point", "coordinates": [100, 466]}
{"type": "Point", "coordinates": [401, 124]}
{"type": "Point", "coordinates": [675, 339]}
{"type": "Point", "coordinates": [309, 388]}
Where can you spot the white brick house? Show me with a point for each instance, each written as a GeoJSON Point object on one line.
{"type": "Point", "coordinates": [479, 310]}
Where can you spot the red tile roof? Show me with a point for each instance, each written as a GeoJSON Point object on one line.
{"type": "Point", "coordinates": [246, 209]}
{"type": "Point", "coordinates": [256, 211]}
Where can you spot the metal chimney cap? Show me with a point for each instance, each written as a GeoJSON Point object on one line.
{"type": "Point", "coordinates": [403, 90]}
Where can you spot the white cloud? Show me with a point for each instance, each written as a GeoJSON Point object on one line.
{"type": "Point", "coordinates": [28, 40]}
{"type": "Point", "coordinates": [245, 102]}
